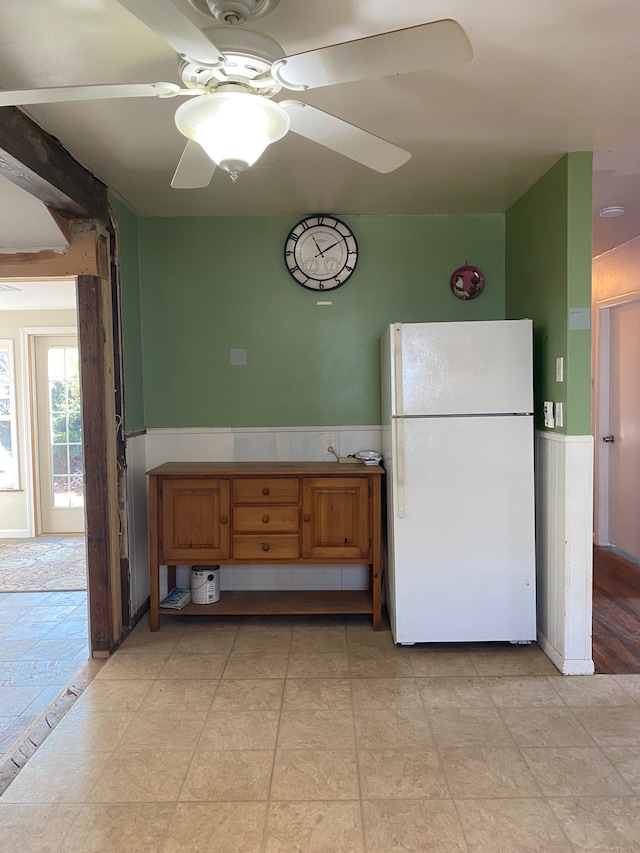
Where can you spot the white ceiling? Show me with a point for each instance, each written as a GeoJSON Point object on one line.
{"type": "Point", "coordinates": [25, 224]}
{"type": "Point", "coordinates": [547, 76]}
{"type": "Point", "coordinates": [37, 295]}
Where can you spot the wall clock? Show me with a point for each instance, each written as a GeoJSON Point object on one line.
{"type": "Point", "coordinates": [321, 252]}
{"type": "Point", "coordinates": [467, 282]}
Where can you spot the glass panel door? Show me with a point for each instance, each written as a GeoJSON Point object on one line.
{"type": "Point", "coordinates": [60, 475]}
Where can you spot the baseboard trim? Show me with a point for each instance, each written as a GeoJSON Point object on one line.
{"type": "Point", "coordinates": [630, 558]}
{"type": "Point", "coordinates": [566, 666]}
{"type": "Point", "coordinates": [137, 616]}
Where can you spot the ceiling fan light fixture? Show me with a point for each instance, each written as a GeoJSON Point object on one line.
{"type": "Point", "coordinates": [234, 128]}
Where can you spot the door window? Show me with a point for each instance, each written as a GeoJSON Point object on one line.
{"type": "Point", "coordinates": [65, 426]}
{"type": "Point", "coordinates": [8, 443]}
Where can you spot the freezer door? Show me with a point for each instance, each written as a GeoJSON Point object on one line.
{"type": "Point", "coordinates": [462, 368]}
{"type": "Point", "coordinates": [462, 564]}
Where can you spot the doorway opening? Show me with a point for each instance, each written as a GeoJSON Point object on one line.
{"type": "Point", "coordinates": [42, 533]}
{"type": "Point", "coordinates": [78, 204]}
{"type": "Point", "coordinates": [616, 596]}
{"type": "Point", "coordinates": [57, 419]}
{"type": "Point", "coordinates": [52, 556]}
{"type": "Point", "coordinates": [43, 566]}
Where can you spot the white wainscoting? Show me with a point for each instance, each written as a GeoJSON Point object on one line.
{"type": "Point", "coordinates": [264, 444]}
{"type": "Point", "coordinates": [564, 502]}
{"type": "Point", "coordinates": [137, 521]}
{"type": "Point", "coordinates": [278, 444]}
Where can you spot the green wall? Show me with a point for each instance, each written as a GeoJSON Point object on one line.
{"type": "Point", "coordinates": [548, 278]}
{"type": "Point", "coordinates": [211, 284]}
{"type": "Point", "coordinates": [130, 311]}
{"type": "Point", "coordinates": [579, 278]}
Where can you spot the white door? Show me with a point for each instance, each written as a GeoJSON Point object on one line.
{"type": "Point", "coordinates": [623, 446]}
{"type": "Point", "coordinates": [58, 427]}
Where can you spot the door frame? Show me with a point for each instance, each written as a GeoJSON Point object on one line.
{"type": "Point", "coordinates": [602, 399]}
{"type": "Point", "coordinates": [78, 202]}
{"type": "Point", "coordinates": [27, 344]}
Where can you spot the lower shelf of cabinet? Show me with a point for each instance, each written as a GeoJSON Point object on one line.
{"type": "Point", "coordinates": [280, 603]}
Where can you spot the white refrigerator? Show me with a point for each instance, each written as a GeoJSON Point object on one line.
{"type": "Point", "coordinates": [457, 443]}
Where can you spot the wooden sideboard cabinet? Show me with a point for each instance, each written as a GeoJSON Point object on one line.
{"type": "Point", "coordinates": [203, 513]}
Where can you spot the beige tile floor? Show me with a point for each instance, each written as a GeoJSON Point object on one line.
{"type": "Point", "coordinates": [303, 736]}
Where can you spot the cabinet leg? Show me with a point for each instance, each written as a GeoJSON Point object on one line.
{"type": "Point", "coordinates": [171, 578]}
{"type": "Point", "coordinates": [154, 599]}
{"type": "Point", "coordinates": [154, 619]}
{"type": "Point", "coordinates": [376, 595]}
{"type": "Point", "coordinates": [154, 596]}
{"type": "Point", "coordinates": [154, 557]}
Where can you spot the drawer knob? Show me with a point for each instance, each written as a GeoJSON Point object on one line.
{"type": "Point", "coordinates": [265, 491]}
{"type": "Point", "coordinates": [265, 546]}
{"type": "Point", "coordinates": [223, 519]}
{"type": "Point", "coordinates": [265, 519]}
{"type": "Point", "coordinates": [306, 518]}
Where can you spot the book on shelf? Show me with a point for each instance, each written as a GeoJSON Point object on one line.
{"type": "Point", "coordinates": [176, 599]}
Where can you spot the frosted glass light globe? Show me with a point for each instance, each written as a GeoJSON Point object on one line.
{"type": "Point", "coordinates": [234, 128]}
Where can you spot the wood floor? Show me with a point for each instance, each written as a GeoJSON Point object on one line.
{"type": "Point", "coordinates": [616, 613]}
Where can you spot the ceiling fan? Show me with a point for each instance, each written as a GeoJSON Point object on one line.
{"type": "Point", "coordinates": [231, 75]}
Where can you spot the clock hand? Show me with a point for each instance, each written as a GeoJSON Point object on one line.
{"type": "Point", "coordinates": [317, 246]}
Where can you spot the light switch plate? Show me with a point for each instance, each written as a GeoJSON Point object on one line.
{"type": "Point", "coordinates": [559, 415]}
{"type": "Point", "coordinates": [237, 355]}
{"type": "Point", "coordinates": [560, 369]}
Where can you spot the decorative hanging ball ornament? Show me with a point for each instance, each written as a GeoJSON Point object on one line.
{"type": "Point", "coordinates": [467, 282]}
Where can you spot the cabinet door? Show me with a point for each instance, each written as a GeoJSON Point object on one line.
{"type": "Point", "coordinates": [335, 518]}
{"type": "Point", "coordinates": [195, 520]}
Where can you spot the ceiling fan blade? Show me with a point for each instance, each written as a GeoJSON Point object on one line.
{"type": "Point", "coordinates": [388, 54]}
{"type": "Point", "coordinates": [345, 138]}
{"type": "Point", "coordinates": [195, 168]}
{"type": "Point", "coordinates": [176, 29]}
{"type": "Point", "coordinates": [59, 94]}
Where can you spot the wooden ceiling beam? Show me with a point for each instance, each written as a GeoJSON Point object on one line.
{"type": "Point", "coordinates": [87, 254]}
{"type": "Point", "coordinates": [37, 162]}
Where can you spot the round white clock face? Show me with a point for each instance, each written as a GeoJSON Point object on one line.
{"type": "Point", "coordinates": [321, 252]}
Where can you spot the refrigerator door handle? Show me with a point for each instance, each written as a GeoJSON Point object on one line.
{"type": "Point", "coordinates": [397, 368]}
{"type": "Point", "coordinates": [399, 466]}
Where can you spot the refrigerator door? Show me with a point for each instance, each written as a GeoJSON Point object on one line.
{"type": "Point", "coordinates": [461, 556]}
{"type": "Point", "coordinates": [461, 368]}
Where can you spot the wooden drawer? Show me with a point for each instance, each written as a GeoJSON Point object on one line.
{"type": "Point", "coordinates": [266, 491]}
{"type": "Point", "coordinates": [269, 519]}
{"type": "Point", "coordinates": [267, 547]}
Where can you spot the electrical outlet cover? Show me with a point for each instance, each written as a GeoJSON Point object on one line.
{"type": "Point", "coordinates": [329, 440]}
{"type": "Point", "coordinates": [548, 414]}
